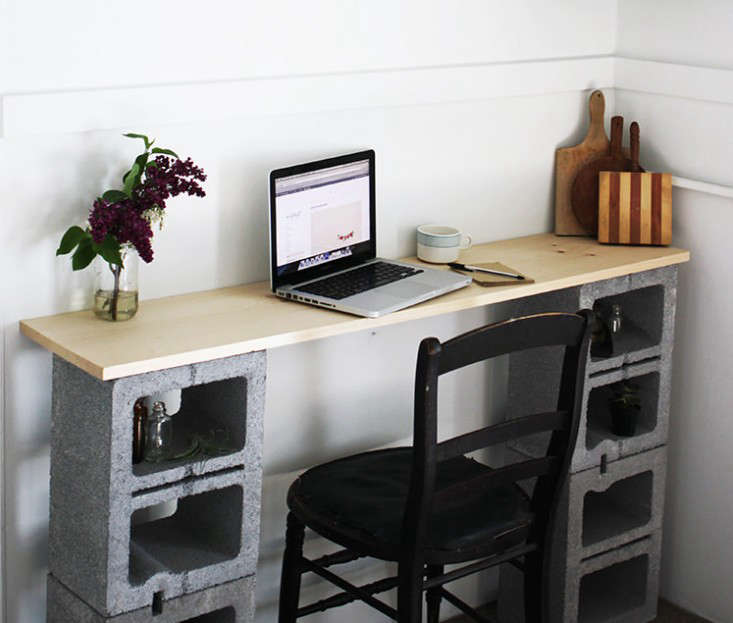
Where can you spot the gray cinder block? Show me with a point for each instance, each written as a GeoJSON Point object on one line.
{"type": "Point", "coordinates": [232, 602]}
{"type": "Point", "coordinates": [598, 513]}
{"type": "Point", "coordinates": [596, 441]}
{"type": "Point", "coordinates": [648, 300]}
{"type": "Point", "coordinates": [611, 508]}
{"type": "Point", "coordinates": [93, 548]}
{"type": "Point", "coordinates": [619, 586]}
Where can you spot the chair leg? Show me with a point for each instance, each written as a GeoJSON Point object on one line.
{"type": "Point", "coordinates": [409, 592]}
{"type": "Point", "coordinates": [432, 596]}
{"type": "Point", "coordinates": [291, 570]}
{"type": "Point", "coordinates": [533, 588]}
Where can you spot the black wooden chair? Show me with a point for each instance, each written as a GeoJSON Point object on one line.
{"type": "Point", "coordinates": [428, 505]}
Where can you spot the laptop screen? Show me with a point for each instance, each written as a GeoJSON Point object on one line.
{"type": "Point", "coordinates": [322, 217]}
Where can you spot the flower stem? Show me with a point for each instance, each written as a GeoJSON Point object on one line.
{"type": "Point", "coordinates": [116, 292]}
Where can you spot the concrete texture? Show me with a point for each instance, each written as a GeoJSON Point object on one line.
{"type": "Point", "coordinates": [599, 511]}
{"type": "Point", "coordinates": [232, 602]}
{"type": "Point", "coordinates": [604, 561]}
{"type": "Point", "coordinates": [596, 442]}
{"type": "Point", "coordinates": [648, 301]}
{"type": "Point", "coordinates": [609, 509]}
{"type": "Point", "coordinates": [212, 538]}
{"type": "Point", "coordinates": [618, 586]}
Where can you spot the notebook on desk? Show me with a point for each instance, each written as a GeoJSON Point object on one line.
{"type": "Point", "coordinates": [323, 242]}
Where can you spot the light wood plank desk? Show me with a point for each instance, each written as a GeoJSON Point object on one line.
{"type": "Point", "coordinates": [190, 328]}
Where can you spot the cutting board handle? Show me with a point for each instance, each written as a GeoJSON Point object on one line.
{"type": "Point", "coordinates": [617, 135]}
{"type": "Point", "coordinates": [596, 131]}
{"type": "Point", "coordinates": [634, 130]}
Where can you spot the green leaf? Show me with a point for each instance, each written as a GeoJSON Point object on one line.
{"type": "Point", "coordinates": [141, 160]}
{"type": "Point", "coordinates": [148, 142]}
{"type": "Point", "coordinates": [167, 152]}
{"type": "Point", "coordinates": [132, 179]}
{"type": "Point", "coordinates": [151, 165]}
{"type": "Point", "coordinates": [113, 196]}
{"type": "Point", "coordinates": [84, 254]}
{"type": "Point", "coordinates": [70, 239]}
{"type": "Point", "coordinates": [109, 250]}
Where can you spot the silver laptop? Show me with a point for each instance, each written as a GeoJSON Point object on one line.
{"type": "Point", "coordinates": [323, 242]}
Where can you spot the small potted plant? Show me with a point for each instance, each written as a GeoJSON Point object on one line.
{"type": "Point", "coordinates": [625, 407]}
{"type": "Point", "coordinates": [120, 226]}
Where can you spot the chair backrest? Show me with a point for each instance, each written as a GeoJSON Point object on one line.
{"type": "Point", "coordinates": [435, 358]}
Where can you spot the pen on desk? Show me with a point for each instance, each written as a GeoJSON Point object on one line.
{"type": "Point", "coordinates": [478, 269]}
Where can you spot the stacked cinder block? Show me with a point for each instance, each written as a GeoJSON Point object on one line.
{"type": "Point", "coordinates": [232, 602]}
{"type": "Point", "coordinates": [106, 563]}
{"type": "Point", "coordinates": [605, 552]}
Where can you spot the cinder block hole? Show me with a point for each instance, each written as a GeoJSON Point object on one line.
{"type": "Point", "coordinates": [225, 615]}
{"type": "Point", "coordinates": [212, 417]}
{"type": "Point", "coordinates": [625, 505]}
{"type": "Point", "coordinates": [157, 606]}
{"type": "Point", "coordinates": [205, 530]}
{"type": "Point", "coordinates": [153, 513]}
{"type": "Point", "coordinates": [600, 424]}
{"type": "Point", "coordinates": [614, 591]}
{"type": "Point", "coordinates": [642, 312]}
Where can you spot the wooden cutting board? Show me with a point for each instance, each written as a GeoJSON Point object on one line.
{"type": "Point", "coordinates": [569, 160]}
{"type": "Point", "coordinates": [635, 208]}
{"type": "Point", "coordinates": [584, 193]}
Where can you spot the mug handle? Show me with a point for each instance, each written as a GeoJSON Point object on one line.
{"type": "Point", "coordinates": [468, 244]}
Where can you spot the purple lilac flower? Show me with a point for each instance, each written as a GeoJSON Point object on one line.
{"type": "Point", "coordinates": [129, 220]}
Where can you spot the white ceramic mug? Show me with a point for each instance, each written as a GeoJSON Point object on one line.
{"type": "Point", "coordinates": [440, 244]}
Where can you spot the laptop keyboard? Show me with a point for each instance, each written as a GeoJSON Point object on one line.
{"type": "Point", "coordinates": [359, 280]}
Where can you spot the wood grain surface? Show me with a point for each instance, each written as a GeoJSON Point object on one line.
{"type": "Point", "coordinates": [569, 160]}
{"type": "Point", "coordinates": [584, 194]}
{"type": "Point", "coordinates": [189, 328]}
{"type": "Point", "coordinates": [635, 208]}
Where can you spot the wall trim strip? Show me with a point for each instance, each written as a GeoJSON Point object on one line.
{"type": "Point", "coordinates": [122, 108]}
{"type": "Point", "coordinates": [675, 80]}
{"type": "Point", "coordinates": [703, 187]}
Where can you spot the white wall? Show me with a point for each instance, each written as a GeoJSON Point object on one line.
{"type": "Point", "coordinates": [243, 88]}
{"type": "Point", "coordinates": [686, 129]}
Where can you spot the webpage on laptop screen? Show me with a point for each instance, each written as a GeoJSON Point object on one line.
{"type": "Point", "coordinates": [321, 215]}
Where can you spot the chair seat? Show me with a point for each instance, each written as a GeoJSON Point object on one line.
{"type": "Point", "coordinates": [362, 498]}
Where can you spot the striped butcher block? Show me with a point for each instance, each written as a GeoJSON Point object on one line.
{"type": "Point", "coordinates": [635, 208]}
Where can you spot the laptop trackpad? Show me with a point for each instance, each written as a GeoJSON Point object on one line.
{"type": "Point", "coordinates": [406, 289]}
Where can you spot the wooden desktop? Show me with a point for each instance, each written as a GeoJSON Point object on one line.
{"type": "Point", "coordinates": [201, 326]}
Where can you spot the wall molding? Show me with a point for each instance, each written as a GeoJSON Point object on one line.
{"type": "Point", "coordinates": [23, 114]}
{"type": "Point", "coordinates": [98, 109]}
{"type": "Point", "coordinates": [702, 187]}
{"type": "Point", "coordinates": [120, 108]}
{"type": "Point", "coordinates": [675, 80]}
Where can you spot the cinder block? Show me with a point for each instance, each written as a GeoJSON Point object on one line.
{"type": "Point", "coordinates": [596, 440]}
{"type": "Point", "coordinates": [597, 512]}
{"type": "Point", "coordinates": [648, 300]}
{"type": "Point", "coordinates": [95, 489]}
{"type": "Point", "coordinates": [609, 509]}
{"type": "Point", "coordinates": [619, 586]}
{"type": "Point", "coordinates": [232, 602]}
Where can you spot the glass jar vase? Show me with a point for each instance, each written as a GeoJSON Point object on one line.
{"type": "Point", "coordinates": [158, 445]}
{"type": "Point", "coordinates": [115, 287]}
